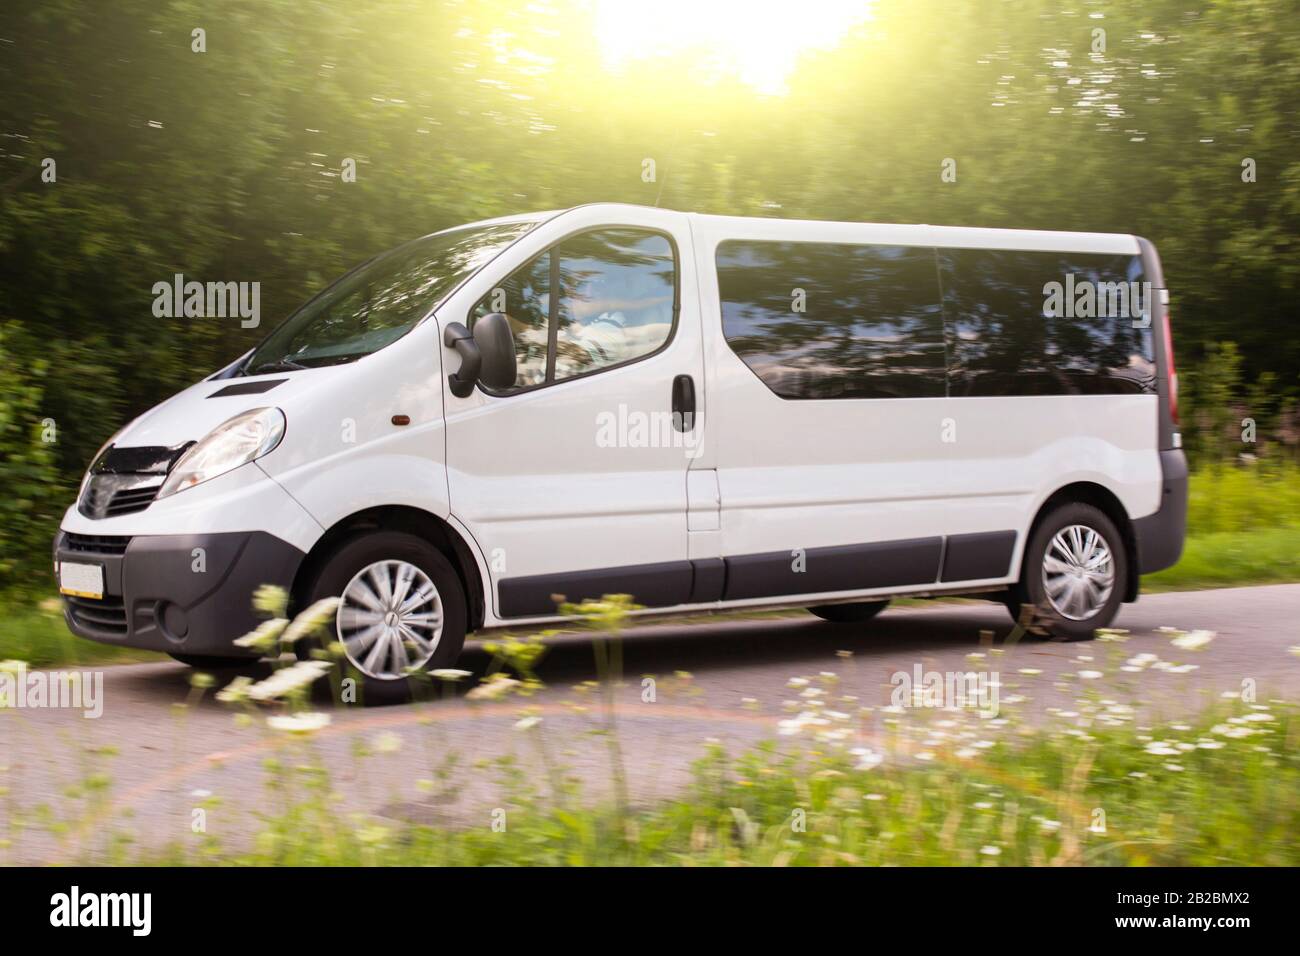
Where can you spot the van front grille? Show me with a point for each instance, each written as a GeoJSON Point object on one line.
{"type": "Point", "coordinates": [110, 496]}
{"type": "Point", "coordinates": [126, 480]}
{"type": "Point", "coordinates": [132, 500]}
{"type": "Point", "coordinates": [96, 543]}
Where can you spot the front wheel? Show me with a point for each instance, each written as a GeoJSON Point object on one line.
{"type": "Point", "coordinates": [401, 610]}
{"type": "Point", "coordinates": [849, 613]}
{"type": "Point", "coordinates": [1075, 567]}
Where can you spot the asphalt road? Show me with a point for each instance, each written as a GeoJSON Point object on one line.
{"type": "Point", "coordinates": [164, 760]}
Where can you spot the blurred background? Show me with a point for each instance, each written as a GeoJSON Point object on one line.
{"type": "Point", "coordinates": [225, 165]}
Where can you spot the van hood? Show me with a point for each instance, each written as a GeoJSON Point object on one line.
{"type": "Point", "coordinates": [190, 415]}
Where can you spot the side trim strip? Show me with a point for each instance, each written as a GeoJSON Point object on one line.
{"type": "Point", "coordinates": [710, 580]}
{"type": "Point", "coordinates": [652, 585]}
{"type": "Point", "coordinates": [852, 567]}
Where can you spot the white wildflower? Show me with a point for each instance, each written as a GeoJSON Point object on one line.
{"type": "Point", "coordinates": [287, 680]}
{"type": "Point", "coordinates": [298, 724]}
{"type": "Point", "coordinates": [1193, 641]}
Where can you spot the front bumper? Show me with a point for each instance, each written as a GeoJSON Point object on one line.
{"type": "Point", "coordinates": [179, 593]}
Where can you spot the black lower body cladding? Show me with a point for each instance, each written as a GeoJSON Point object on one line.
{"type": "Point", "coordinates": [852, 567]}
{"type": "Point", "coordinates": [652, 585]}
{"type": "Point", "coordinates": [187, 594]}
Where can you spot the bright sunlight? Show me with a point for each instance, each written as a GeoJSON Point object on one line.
{"type": "Point", "coordinates": [758, 41]}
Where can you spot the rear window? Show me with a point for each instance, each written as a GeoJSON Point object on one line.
{"type": "Point", "coordinates": [1010, 334]}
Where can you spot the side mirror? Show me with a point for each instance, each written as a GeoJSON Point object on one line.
{"type": "Point", "coordinates": [487, 355]}
{"type": "Point", "coordinates": [497, 345]}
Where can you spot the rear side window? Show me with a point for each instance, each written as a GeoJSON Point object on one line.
{"type": "Point", "coordinates": [1008, 334]}
{"type": "Point", "coordinates": [834, 320]}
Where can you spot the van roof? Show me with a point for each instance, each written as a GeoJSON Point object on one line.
{"type": "Point", "coordinates": [966, 237]}
{"type": "Point", "coordinates": [711, 229]}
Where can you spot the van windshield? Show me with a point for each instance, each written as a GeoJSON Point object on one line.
{"type": "Point", "coordinates": [377, 303]}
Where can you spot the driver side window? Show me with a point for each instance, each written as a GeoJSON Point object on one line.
{"type": "Point", "coordinates": [594, 301]}
{"type": "Point", "coordinates": [525, 298]}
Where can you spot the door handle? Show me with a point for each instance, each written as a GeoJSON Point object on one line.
{"type": "Point", "coordinates": [684, 403]}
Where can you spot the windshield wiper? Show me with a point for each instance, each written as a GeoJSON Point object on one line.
{"type": "Point", "coordinates": [281, 365]}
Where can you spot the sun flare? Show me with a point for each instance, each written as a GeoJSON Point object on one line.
{"type": "Point", "coordinates": [758, 42]}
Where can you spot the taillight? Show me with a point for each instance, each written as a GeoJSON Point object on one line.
{"type": "Point", "coordinates": [1171, 371]}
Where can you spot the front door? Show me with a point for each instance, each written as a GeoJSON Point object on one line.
{"type": "Point", "coordinates": [573, 481]}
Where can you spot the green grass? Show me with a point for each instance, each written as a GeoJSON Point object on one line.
{"type": "Point", "coordinates": [1243, 527]}
{"type": "Point", "coordinates": [1232, 559]}
{"type": "Point", "coordinates": [39, 636]}
{"type": "Point", "coordinates": [1243, 497]}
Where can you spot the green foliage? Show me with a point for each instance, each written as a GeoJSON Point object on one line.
{"type": "Point", "coordinates": [1226, 416]}
{"type": "Point", "coordinates": [39, 636]}
{"type": "Point", "coordinates": [226, 165]}
{"type": "Point", "coordinates": [31, 492]}
{"type": "Point", "coordinates": [1251, 496]}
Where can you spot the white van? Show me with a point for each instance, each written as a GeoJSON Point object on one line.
{"type": "Point", "coordinates": [704, 412]}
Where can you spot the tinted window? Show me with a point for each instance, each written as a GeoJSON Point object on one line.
{"type": "Point", "coordinates": [831, 320]}
{"type": "Point", "coordinates": [1008, 336]}
{"type": "Point", "coordinates": [616, 303]}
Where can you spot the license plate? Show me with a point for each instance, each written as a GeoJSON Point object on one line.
{"type": "Point", "coordinates": [81, 580]}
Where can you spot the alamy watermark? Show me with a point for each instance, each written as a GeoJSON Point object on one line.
{"type": "Point", "coordinates": [21, 689]}
{"type": "Point", "coordinates": [212, 300]}
{"type": "Point", "coordinates": [133, 911]}
{"type": "Point", "coordinates": [947, 690]}
{"type": "Point", "coordinates": [1085, 299]}
{"type": "Point", "coordinates": [628, 428]}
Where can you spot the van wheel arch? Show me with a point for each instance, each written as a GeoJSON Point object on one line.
{"type": "Point", "coordinates": [396, 518]}
{"type": "Point", "coordinates": [1104, 500]}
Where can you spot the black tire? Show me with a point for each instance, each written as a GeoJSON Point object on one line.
{"type": "Point", "coordinates": [360, 552]}
{"type": "Point", "coordinates": [213, 663]}
{"type": "Point", "coordinates": [849, 613]}
{"type": "Point", "coordinates": [1081, 624]}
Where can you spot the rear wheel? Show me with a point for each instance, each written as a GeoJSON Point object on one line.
{"type": "Point", "coordinates": [401, 610]}
{"type": "Point", "coordinates": [849, 613]}
{"type": "Point", "coordinates": [1075, 567]}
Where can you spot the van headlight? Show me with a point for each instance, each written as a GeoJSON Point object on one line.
{"type": "Point", "coordinates": [236, 441]}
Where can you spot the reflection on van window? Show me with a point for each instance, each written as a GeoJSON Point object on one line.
{"type": "Point", "coordinates": [525, 298]}
{"type": "Point", "coordinates": [615, 304]}
{"type": "Point", "coordinates": [834, 320]}
{"type": "Point", "coordinates": [381, 301]}
{"type": "Point", "coordinates": [616, 299]}
{"type": "Point", "coordinates": [1001, 341]}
